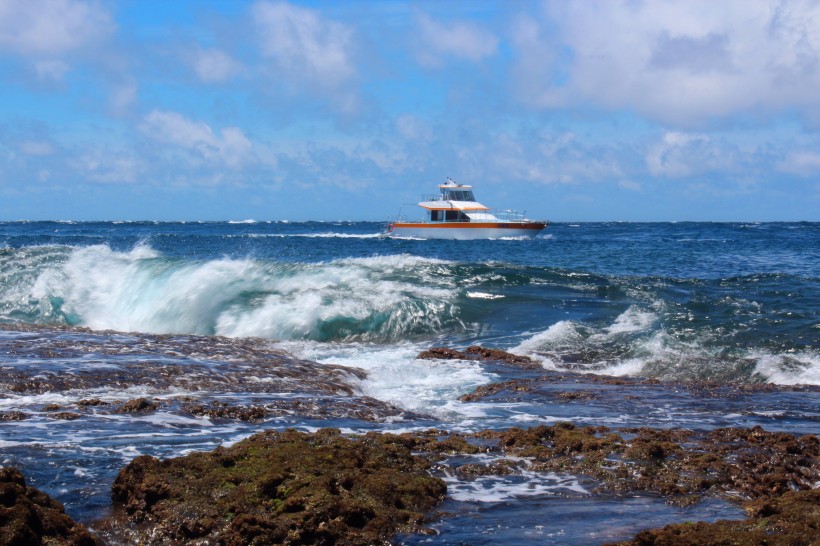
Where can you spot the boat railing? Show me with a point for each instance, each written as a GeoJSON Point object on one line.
{"type": "Point", "coordinates": [432, 197]}
{"type": "Point", "coordinates": [509, 215]}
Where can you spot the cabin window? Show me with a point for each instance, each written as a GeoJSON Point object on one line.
{"type": "Point", "coordinates": [435, 216]}
{"type": "Point", "coordinates": [455, 216]}
{"type": "Point", "coordinates": [460, 195]}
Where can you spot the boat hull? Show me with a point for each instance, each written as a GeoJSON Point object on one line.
{"type": "Point", "coordinates": [465, 231]}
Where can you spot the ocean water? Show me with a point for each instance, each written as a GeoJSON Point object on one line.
{"type": "Point", "coordinates": [192, 313]}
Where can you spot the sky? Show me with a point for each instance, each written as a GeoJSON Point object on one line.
{"type": "Point", "coordinates": [573, 110]}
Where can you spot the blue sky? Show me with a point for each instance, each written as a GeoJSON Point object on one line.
{"type": "Point", "coordinates": [578, 110]}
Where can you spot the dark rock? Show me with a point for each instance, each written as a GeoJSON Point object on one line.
{"type": "Point", "coordinates": [484, 391]}
{"type": "Point", "coordinates": [225, 365]}
{"type": "Point", "coordinates": [442, 353]}
{"type": "Point", "coordinates": [221, 410]}
{"type": "Point", "coordinates": [576, 395]}
{"type": "Point", "coordinates": [274, 488]}
{"type": "Point", "coordinates": [503, 467]}
{"type": "Point", "coordinates": [498, 355]}
{"type": "Point", "coordinates": [475, 352]}
{"type": "Point", "coordinates": [310, 407]}
{"type": "Point", "coordinates": [28, 516]}
{"type": "Point", "coordinates": [545, 442]}
{"type": "Point", "coordinates": [435, 442]}
{"type": "Point", "coordinates": [66, 415]}
{"type": "Point", "coordinates": [138, 405]}
{"type": "Point", "coordinates": [91, 402]}
{"type": "Point", "coordinates": [12, 416]}
{"type": "Point", "coordinates": [739, 464]}
{"type": "Point", "coordinates": [655, 445]}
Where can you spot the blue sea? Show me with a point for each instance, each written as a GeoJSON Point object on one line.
{"type": "Point", "coordinates": [96, 313]}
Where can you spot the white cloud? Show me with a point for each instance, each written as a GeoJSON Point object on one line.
{"type": "Point", "coordinates": [683, 62]}
{"type": "Point", "coordinates": [231, 147]}
{"type": "Point", "coordinates": [234, 147]}
{"type": "Point", "coordinates": [679, 155]}
{"type": "Point", "coordinates": [108, 167]}
{"type": "Point", "coordinates": [546, 158]}
{"type": "Point", "coordinates": [533, 71]}
{"type": "Point", "coordinates": [802, 163]}
{"type": "Point", "coordinates": [305, 45]}
{"type": "Point", "coordinates": [49, 28]}
{"type": "Point", "coordinates": [48, 33]}
{"type": "Point", "coordinates": [461, 40]}
{"type": "Point", "coordinates": [214, 66]}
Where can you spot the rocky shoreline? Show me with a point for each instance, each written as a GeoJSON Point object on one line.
{"type": "Point", "coordinates": [291, 487]}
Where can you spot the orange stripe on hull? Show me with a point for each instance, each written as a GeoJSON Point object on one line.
{"type": "Point", "coordinates": [470, 225]}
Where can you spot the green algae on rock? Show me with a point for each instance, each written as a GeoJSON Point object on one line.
{"type": "Point", "coordinates": [735, 463]}
{"type": "Point", "coordinates": [275, 487]}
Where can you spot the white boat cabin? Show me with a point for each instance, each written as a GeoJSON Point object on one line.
{"type": "Point", "coordinates": [455, 203]}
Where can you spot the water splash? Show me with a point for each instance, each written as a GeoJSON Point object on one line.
{"type": "Point", "coordinates": [140, 290]}
{"type": "Point", "coordinates": [639, 342]}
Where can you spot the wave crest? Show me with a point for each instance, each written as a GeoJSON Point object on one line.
{"type": "Point", "coordinates": [638, 344]}
{"type": "Point", "coordinates": [382, 298]}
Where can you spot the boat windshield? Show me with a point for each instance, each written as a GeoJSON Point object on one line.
{"type": "Point", "coordinates": [459, 195]}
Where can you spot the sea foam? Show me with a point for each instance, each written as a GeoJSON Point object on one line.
{"type": "Point", "coordinates": [383, 297]}
{"type": "Point", "coordinates": [638, 343]}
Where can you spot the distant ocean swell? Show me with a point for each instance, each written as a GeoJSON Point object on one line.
{"type": "Point", "coordinates": [752, 328]}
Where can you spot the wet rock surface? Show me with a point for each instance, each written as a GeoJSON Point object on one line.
{"type": "Point", "coordinates": [290, 487]}
{"type": "Point", "coordinates": [772, 475]}
{"type": "Point", "coordinates": [303, 493]}
{"type": "Point", "coordinates": [29, 516]}
{"type": "Point", "coordinates": [363, 408]}
{"type": "Point", "coordinates": [738, 464]}
{"type": "Point", "coordinates": [276, 488]}
{"type": "Point", "coordinates": [194, 363]}
{"type": "Point", "coordinates": [476, 352]}
{"type": "Point", "coordinates": [137, 405]}
{"type": "Point", "coordinates": [183, 373]}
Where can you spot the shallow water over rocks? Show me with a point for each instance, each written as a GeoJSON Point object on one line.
{"type": "Point", "coordinates": [77, 405]}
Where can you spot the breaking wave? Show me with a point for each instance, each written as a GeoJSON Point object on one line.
{"type": "Point", "coordinates": [756, 328]}
{"type": "Point", "coordinates": [140, 290]}
{"type": "Point", "coordinates": [638, 343]}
